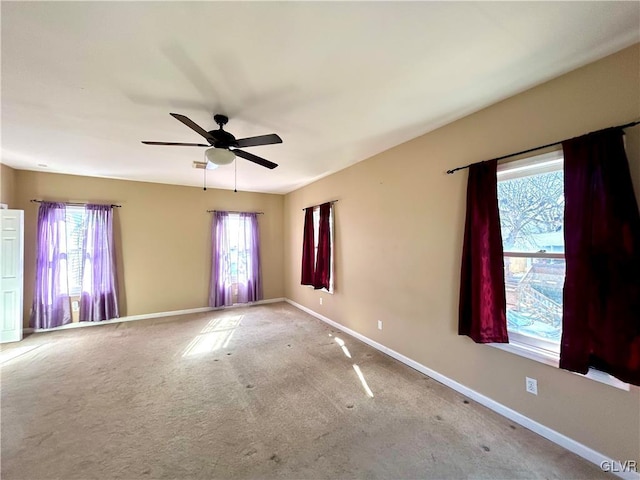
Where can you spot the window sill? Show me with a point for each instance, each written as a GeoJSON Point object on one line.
{"type": "Point", "coordinates": [324, 290]}
{"type": "Point", "coordinates": [553, 359]}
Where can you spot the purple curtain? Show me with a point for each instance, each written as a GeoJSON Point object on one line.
{"type": "Point", "coordinates": [601, 310]}
{"type": "Point", "coordinates": [235, 259]}
{"type": "Point", "coordinates": [99, 299]}
{"type": "Point", "coordinates": [308, 248]}
{"type": "Point", "coordinates": [51, 303]}
{"type": "Point", "coordinates": [249, 274]}
{"type": "Point", "coordinates": [482, 313]}
{"type": "Point", "coordinates": [220, 292]}
{"type": "Point", "coordinates": [322, 274]}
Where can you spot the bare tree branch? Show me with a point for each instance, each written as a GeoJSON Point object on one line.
{"type": "Point", "coordinates": [530, 206]}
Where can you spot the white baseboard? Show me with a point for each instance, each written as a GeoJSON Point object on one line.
{"type": "Point", "coordinates": [146, 316]}
{"type": "Point", "coordinates": [578, 448]}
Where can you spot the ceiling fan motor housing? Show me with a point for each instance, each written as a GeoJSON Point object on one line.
{"type": "Point", "coordinates": [220, 119]}
{"type": "Point", "coordinates": [222, 139]}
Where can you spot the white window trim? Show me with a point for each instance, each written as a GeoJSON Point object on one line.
{"type": "Point", "coordinates": [331, 260]}
{"type": "Point", "coordinates": [553, 359]}
{"type": "Point", "coordinates": [534, 165]}
{"type": "Point", "coordinates": [540, 254]}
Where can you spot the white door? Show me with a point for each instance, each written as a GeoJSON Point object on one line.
{"type": "Point", "coordinates": [11, 268]}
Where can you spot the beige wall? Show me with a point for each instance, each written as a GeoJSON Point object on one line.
{"type": "Point", "coordinates": [163, 232]}
{"type": "Point", "coordinates": [7, 185]}
{"type": "Point", "coordinates": [398, 238]}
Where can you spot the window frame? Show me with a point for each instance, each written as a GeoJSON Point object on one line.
{"type": "Point", "coordinates": [538, 164]}
{"type": "Point", "coordinates": [316, 235]}
{"type": "Point", "coordinates": [541, 350]}
{"type": "Point", "coordinates": [233, 223]}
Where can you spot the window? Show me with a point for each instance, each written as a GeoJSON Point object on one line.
{"type": "Point", "coordinates": [531, 205]}
{"type": "Point", "coordinates": [239, 248]}
{"type": "Point", "coordinates": [74, 258]}
{"type": "Point", "coordinates": [75, 232]}
{"type": "Point", "coordinates": [235, 274]}
{"type": "Point", "coordinates": [316, 235]}
{"type": "Point", "coordinates": [237, 255]}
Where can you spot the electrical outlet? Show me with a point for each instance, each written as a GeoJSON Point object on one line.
{"type": "Point", "coordinates": [379, 324]}
{"type": "Point", "coordinates": [531, 385]}
{"type": "Point", "coordinates": [320, 300]}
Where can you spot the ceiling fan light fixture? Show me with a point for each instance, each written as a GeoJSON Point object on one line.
{"type": "Point", "coordinates": [219, 156]}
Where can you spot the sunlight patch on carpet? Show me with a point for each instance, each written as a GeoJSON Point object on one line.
{"type": "Point", "coordinates": [345, 350]}
{"type": "Point", "coordinates": [363, 381]}
{"type": "Point", "coordinates": [12, 353]}
{"type": "Point", "coordinates": [214, 336]}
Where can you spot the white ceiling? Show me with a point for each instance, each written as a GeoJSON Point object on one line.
{"type": "Point", "coordinates": [84, 82]}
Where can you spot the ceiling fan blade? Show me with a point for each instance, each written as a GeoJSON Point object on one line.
{"type": "Point", "coordinates": [255, 159]}
{"type": "Point", "coordinates": [192, 125]}
{"type": "Point", "coordinates": [176, 144]}
{"type": "Point", "coordinates": [260, 140]}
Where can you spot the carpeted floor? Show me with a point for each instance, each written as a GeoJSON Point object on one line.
{"type": "Point", "coordinates": [258, 392]}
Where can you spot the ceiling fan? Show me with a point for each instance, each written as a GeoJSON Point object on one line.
{"type": "Point", "coordinates": [225, 146]}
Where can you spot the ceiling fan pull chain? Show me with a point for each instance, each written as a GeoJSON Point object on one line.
{"type": "Point", "coordinates": [204, 171]}
{"type": "Point", "coordinates": [235, 176]}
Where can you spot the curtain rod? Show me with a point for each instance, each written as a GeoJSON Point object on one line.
{"type": "Point", "coordinates": [453, 170]}
{"type": "Point", "coordinates": [233, 211]}
{"type": "Point", "coordinates": [312, 206]}
{"type": "Point", "coordinates": [71, 204]}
